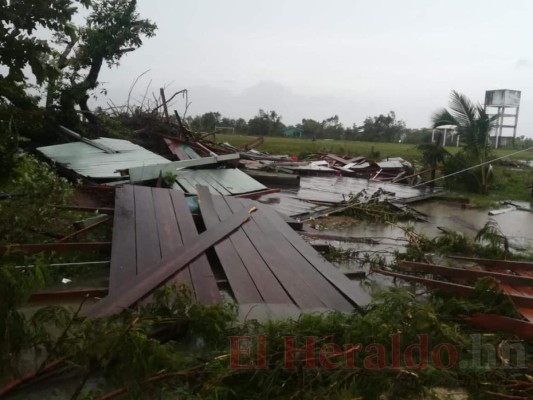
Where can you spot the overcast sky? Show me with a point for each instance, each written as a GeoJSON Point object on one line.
{"type": "Point", "coordinates": [314, 59]}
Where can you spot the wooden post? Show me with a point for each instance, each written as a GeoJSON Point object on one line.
{"type": "Point", "coordinates": [165, 109]}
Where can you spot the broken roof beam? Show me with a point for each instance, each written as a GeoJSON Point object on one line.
{"type": "Point", "coordinates": [77, 136]}
{"type": "Point", "coordinates": [151, 172]}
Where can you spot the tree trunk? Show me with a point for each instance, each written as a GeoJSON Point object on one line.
{"type": "Point", "coordinates": [77, 95]}
{"type": "Point", "coordinates": [61, 65]}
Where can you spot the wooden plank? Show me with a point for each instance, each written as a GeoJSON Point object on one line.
{"type": "Point", "coordinates": [100, 210]}
{"type": "Point", "coordinates": [303, 271]}
{"type": "Point", "coordinates": [526, 290]}
{"type": "Point", "coordinates": [256, 195]}
{"type": "Point", "coordinates": [350, 289]}
{"type": "Point", "coordinates": [460, 290]}
{"type": "Point", "coordinates": [83, 230]}
{"type": "Point", "coordinates": [49, 247]}
{"type": "Point", "coordinates": [497, 264]}
{"type": "Point", "coordinates": [526, 312]}
{"type": "Point", "coordinates": [242, 285]}
{"type": "Point", "coordinates": [518, 290]}
{"type": "Point", "coordinates": [147, 237]}
{"type": "Point", "coordinates": [510, 289]}
{"type": "Point", "coordinates": [523, 272]}
{"type": "Point", "coordinates": [466, 274]}
{"type": "Point", "coordinates": [355, 159]}
{"type": "Point", "coordinates": [63, 295]}
{"type": "Point", "coordinates": [300, 293]}
{"type": "Point", "coordinates": [123, 253]}
{"type": "Point", "coordinates": [266, 282]}
{"type": "Point", "coordinates": [499, 323]}
{"type": "Point", "coordinates": [202, 277]}
{"type": "Point", "coordinates": [84, 223]}
{"type": "Point", "coordinates": [168, 230]}
{"type": "Point", "coordinates": [144, 283]}
{"type": "Point", "coordinates": [337, 159]}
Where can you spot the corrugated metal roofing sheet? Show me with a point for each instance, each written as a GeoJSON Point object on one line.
{"type": "Point", "coordinates": [226, 182]}
{"type": "Point", "coordinates": [92, 162]}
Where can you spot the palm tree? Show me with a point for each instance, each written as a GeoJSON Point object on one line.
{"type": "Point", "coordinates": [473, 125]}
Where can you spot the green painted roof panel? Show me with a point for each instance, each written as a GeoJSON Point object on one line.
{"type": "Point", "coordinates": [92, 162]}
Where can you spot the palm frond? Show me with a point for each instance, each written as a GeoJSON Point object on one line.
{"type": "Point", "coordinates": [443, 117]}
{"type": "Point", "coordinates": [463, 110]}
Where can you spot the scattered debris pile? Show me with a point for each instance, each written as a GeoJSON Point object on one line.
{"type": "Point", "coordinates": [395, 170]}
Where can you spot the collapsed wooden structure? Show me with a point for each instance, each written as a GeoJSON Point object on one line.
{"type": "Point", "coordinates": [246, 249]}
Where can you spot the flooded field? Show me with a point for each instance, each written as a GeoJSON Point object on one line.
{"type": "Point", "coordinates": [387, 238]}
{"type": "Point", "coordinates": [517, 225]}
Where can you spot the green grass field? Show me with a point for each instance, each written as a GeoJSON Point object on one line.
{"type": "Point", "coordinates": [301, 147]}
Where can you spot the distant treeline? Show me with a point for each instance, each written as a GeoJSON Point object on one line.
{"type": "Point", "coordinates": [382, 128]}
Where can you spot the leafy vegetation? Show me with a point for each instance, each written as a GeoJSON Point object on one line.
{"type": "Point", "coordinates": [173, 347]}
{"type": "Point", "coordinates": [113, 29]}
{"type": "Point", "coordinates": [489, 242]}
{"type": "Point", "coordinates": [69, 65]}
{"type": "Point", "coordinates": [147, 352]}
{"type": "Point", "coordinates": [28, 213]}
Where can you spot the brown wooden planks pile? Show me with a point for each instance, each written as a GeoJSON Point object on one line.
{"type": "Point", "coordinates": [155, 241]}
{"type": "Point", "coordinates": [149, 224]}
